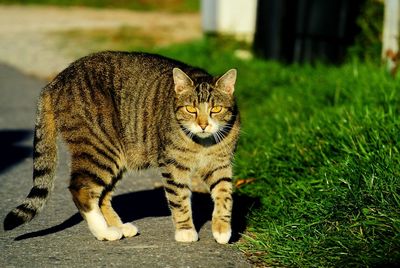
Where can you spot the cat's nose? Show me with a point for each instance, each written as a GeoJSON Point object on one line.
{"type": "Point", "coordinates": [203, 126]}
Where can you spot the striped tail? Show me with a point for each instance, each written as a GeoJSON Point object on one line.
{"type": "Point", "coordinates": [44, 165]}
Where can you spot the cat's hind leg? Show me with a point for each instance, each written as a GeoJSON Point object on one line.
{"type": "Point", "coordinates": [86, 190]}
{"type": "Point", "coordinates": [88, 186]}
{"type": "Point", "coordinates": [112, 218]}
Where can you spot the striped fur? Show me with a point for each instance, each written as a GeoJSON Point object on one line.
{"type": "Point", "coordinates": [120, 111]}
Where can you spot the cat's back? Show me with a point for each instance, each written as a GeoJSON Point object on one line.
{"type": "Point", "coordinates": [116, 71]}
{"type": "Point", "coordinates": [125, 64]}
{"type": "Point", "coordinates": [113, 76]}
{"type": "Point", "coordinates": [114, 65]}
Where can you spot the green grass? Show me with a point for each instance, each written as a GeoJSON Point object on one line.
{"type": "Point", "coordinates": [323, 144]}
{"type": "Point", "coordinates": [146, 5]}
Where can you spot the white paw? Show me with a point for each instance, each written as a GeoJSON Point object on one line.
{"type": "Point", "coordinates": [186, 235]}
{"type": "Point", "coordinates": [110, 234]}
{"type": "Point", "coordinates": [129, 230]}
{"type": "Point", "coordinates": [98, 226]}
{"type": "Point", "coordinates": [222, 238]}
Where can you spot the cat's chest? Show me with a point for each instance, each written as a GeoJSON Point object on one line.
{"type": "Point", "coordinates": [201, 159]}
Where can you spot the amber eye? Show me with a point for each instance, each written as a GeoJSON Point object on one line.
{"type": "Point", "coordinates": [191, 109]}
{"type": "Point", "coordinates": [216, 109]}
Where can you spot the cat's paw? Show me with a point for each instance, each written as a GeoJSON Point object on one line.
{"type": "Point", "coordinates": [129, 230]}
{"type": "Point", "coordinates": [221, 231]}
{"type": "Point", "coordinates": [109, 234]}
{"type": "Point", "coordinates": [222, 238]}
{"type": "Point", "coordinates": [189, 235]}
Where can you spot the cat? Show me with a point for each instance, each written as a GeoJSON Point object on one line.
{"type": "Point", "coordinates": [119, 111]}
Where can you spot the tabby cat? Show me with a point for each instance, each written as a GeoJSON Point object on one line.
{"type": "Point", "coordinates": [119, 111]}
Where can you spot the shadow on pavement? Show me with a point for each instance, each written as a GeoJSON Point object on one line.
{"type": "Point", "coordinates": [12, 152]}
{"type": "Point", "coordinates": [152, 203]}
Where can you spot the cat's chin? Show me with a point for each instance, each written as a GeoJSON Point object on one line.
{"type": "Point", "coordinates": [203, 135]}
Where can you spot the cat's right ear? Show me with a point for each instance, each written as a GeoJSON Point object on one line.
{"type": "Point", "coordinates": [182, 81]}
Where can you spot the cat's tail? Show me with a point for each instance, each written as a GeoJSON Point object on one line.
{"type": "Point", "coordinates": [44, 165]}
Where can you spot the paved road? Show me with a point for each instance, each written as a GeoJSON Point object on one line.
{"type": "Point", "coordinates": [58, 236]}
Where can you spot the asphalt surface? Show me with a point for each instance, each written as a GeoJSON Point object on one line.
{"type": "Point", "coordinates": [59, 237]}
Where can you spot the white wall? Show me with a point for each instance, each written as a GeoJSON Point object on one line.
{"type": "Point", "coordinates": [237, 17]}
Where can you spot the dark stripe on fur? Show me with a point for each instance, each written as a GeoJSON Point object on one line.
{"type": "Point", "coordinates": [83, 173]}
{"type": "Point", "coordinates": [41, 172]}
{"type": "Point", "coordinates": [110, 187]}
{"type": "Point", "coordinates": [87, 141]}
{"type": "Point", "coordinates": [119, 176]}
{"type": "Point", "coordinates": [105, 131]}
{"type": "Point", "coordinates": [170, 191]}
{"type": "Point", "coordinates": [70, 128]}
{"type": "Point", "coordinates": [173, 204]}
{"type": "Point", "coordinates": [209, 174]}
{"type": "Point", "coordinates": [36, 140]}
{"type": "Point", "coordinates": [103, 142]}
{"type": "Point", "coordinates": [38, 192]}
{"type": "Point", "coordinates": [166, 175]}
{"type": "Point", "coordinates": [26, 210]}
{"type": "Point", "coordinates": [36, 154]}
{"type": "Point", "coordinates": [184, 221]}
{"type": "Point", "coordinates": [184, 150]}
{"type": "Point", "coordinates": [105, 155]}
{"type": "Point", "coordinates": [177, 184]}
{"type": "Point", "coordinates": [212, 186]}
{"type": "Point", "coordinates": [173, 162]}
{"type": "Point", "coordinates": [94, 161]}
{"type": "Point", "coordinates": [185, 227]}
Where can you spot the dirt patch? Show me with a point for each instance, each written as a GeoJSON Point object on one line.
{"type": "Point", "coordinates": [30, 35]}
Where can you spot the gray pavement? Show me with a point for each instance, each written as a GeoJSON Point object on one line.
{"type": "Point", "coordinates": [59, 237]}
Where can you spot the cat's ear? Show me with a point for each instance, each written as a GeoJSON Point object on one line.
{"type": "Point", "coordinates": [226, 83]}
{"type": "Point", "coordinates": [182, 81]}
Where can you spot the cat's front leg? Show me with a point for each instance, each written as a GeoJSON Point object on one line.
{"type": "Point", "coordinates": [220, 185]}
{"type": "Point", "coordinates": [176, 178]}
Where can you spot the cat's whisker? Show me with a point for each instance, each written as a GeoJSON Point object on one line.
{"type": "Point", "coordinates": [220, 136]}
{"type": "Point", "coordinates": [215, 137]}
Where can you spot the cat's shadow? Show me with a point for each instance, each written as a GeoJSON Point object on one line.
{"type": "Point", "coordinates": [152, 203]}
{"type": "Point", "coordinates": [13, 150]}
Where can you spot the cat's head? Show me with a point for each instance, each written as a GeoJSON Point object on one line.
{"type": "Point", "coordinates": [205, 107]}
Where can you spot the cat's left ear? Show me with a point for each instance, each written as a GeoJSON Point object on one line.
{"type": "Point", "coordinates": [226, 83]}
{"type": "Point", "coordinates": [181, 80]}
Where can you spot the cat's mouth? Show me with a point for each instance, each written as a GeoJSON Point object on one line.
{"type": "Point", "coordinates": [203, 137]}
{"type": "Point", "coordinates": [203, 134]}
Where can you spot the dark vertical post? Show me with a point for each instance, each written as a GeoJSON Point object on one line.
{"type": "Point", "coordinates": [305, 30]}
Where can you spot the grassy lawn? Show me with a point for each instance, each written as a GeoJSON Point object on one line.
{"type": "Point", "coordinates": [160, 5]}
{"type": "Point", "coordinates": [322, 144]}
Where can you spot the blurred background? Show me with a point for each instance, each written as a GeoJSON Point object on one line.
{"type": "Point", "coordinates": [54, 33]}
{"type": "Point", "coordinates": [318, 93]}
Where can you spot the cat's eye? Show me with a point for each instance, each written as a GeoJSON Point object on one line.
{"type": "Point", "coordinates": [216, 109]}
{"type": "Point", "coordinates": [191, 109]}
